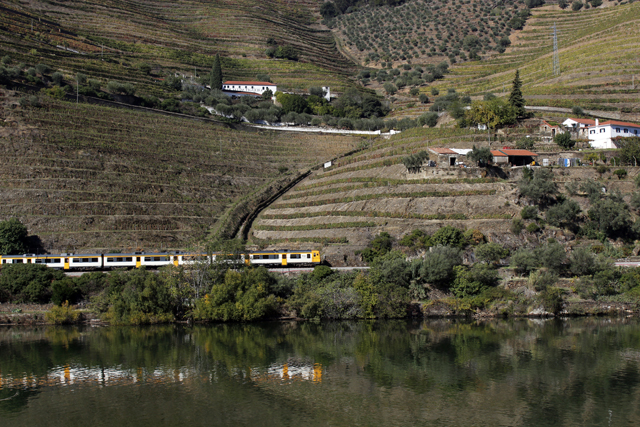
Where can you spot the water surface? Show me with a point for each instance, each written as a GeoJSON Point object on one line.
{"type": "Point", "coordinates": [579, 372]}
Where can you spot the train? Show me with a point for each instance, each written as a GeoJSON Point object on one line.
{"type": "Point", "coordinates": [71, 261]}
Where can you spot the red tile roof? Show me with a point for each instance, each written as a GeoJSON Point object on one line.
{"type": "Point", "coordinates": [617, 123]}
{"type": "Point", "coordinates": [442, 150]}
{"type": "Point", "coordinates": [584, 121]}
{"type": "Point", "coordinates": [519, 153]}
{"type": "Point", "coordinates": [250, 83]}
{"type": "Point", "coordinates": [497, 153]}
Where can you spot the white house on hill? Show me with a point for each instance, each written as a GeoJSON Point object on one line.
{"type": "Point", "coordinates": [248, 88]}
{"type": "Point", "coordinates": [603, 135]}
{"type": "Point", "coordinates": [578, 125]}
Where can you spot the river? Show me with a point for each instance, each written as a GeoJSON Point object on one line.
{"type": "Point", "coordinates": [575, 372]}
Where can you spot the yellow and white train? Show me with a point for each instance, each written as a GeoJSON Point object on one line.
{"type": "Point", "coordinates": [284, 258]}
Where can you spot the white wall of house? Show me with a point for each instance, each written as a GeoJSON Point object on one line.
{"type": "Point", "coordinates": [602, 135]}
{"type": "Point", "coordinates": [252, 87]}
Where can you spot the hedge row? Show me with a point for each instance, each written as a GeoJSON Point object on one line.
{"type": "Point", "coordinates": [356, 224]}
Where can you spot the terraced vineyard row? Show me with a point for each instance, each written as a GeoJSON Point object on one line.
{"type": "Point", "coordinates": [598, 53]}
{"type": "Point", "coordinates": [339, 204]}
{"type": "Point", "coordinates": [125, 179]}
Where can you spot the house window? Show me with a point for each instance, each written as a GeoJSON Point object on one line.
{"type": "Point", "coordinates": [593, 131]}
{"type": "Point", "coordinates": [602, 130]}
{"type": "Point", "coordinates": [635, 131]}
{"type": "Point", "coordinates": [617, 130]}
{"type": "Point", "coordinates": [626, 130]}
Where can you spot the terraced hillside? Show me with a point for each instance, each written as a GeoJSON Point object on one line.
{"type": "Point", "coordinates": [108, 39]}
{"type": "Point", "coordinates": [598, 52]}
{"type": "Point", "coordinates": [371, 191]}
{"type": "Point", "coordinates": [89, 177]}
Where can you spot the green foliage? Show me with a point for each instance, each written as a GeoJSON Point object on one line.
{"type": "Point", "coordinates": [551, 255]}
{"type": "Point", "coordinates": [563, 4]}
{"type": "Point", "coordinates": [216, 74]}
{"type": "Point", "coordinates": [57, 78]}
{"type": "Point", "coordinates": [482, 156]}
{"type": "Point", "coordinates": [437, 266]}
{"type": "Point", "coordinates": [533, 3]}
{"type": "Point", "coordinates": [610, 216]}
{"type": "Point", "coordinates": [529, 212]}
{"type": "Point", "coordinates": [577, 110]}
{"type": "Point", "coordinates": [620, 173]}
{"type": "Point", "coordinates": [517, 226]}
{"type": "Point", "coordinates": [121, 88]}
{"type": "Point", "coordinates": [27, 283]}
{"type": "Point", "coordinates": [65, 290]}
{"type": "Point", "coordinates": [553, 299]}
{"type": "Point", "coordinates": [473, 281]}
{"type": "Point", "coordinates": [516, 99]}
{"type": "Point", "coordinates": [533, 228]}
{"type": "Point", "coordinates": [430, 119]}
{"type": "Point", "coordinates": [524, 260]}
{"type": "Point", "coordinates": [490, 252]}
{"type": "Point", "coordinates": [540, 189]}
{"type": "Point", "coordinates": [540, 280]}
{"type": "Point", "coordinates": [564, 140]}
{"type": "Point", "coordinates": [493, 113]}
{"type": "Point", "coordinates": [576, 5]}
{"type": "Point", "coordinates": [592, 189]}
{"type": "Point", "coordinates": [379, 246]}
{"type": "Point", "coordinates": [241, 296]}
{"type": "Point", "coordinates": [62, 314]}
{"type": "Point", "coordinates": [414, 162]}
{"type": "Point", "coordinates": [449, 236]}
{"type": "Point", "coordinates": [292, 103]}
{"type": "Point", "coordinates": [564, 214]}
{"type": "Point", "coordinates": [416, 240]}
{"type": "Point", "coordinates": [525, 143]}
{"type": "Point", "coordinates": [602, 169]}
{"type": "Point", "coordinates": [13, 237]}
{"type": "Point", "coordinates": [583, 262]}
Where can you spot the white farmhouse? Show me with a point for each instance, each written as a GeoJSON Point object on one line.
{"type": "Point", "coordinates": [603, 135]}
{"type": "Point", "coordinates": [579, 126]}
{"type": "Point", "coordinates": [248, 88]}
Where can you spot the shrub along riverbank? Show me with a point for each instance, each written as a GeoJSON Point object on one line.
{"type": "Point", "coordinates": [438, 284]}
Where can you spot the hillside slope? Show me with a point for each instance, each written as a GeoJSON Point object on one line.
{"type": "Point", "coordinates": [87, 177]}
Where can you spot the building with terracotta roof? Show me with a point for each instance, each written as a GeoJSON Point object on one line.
{"type": "Point", "coordinates": [239, 88]}
{"type": "Point", "coordinates": [605, 134]}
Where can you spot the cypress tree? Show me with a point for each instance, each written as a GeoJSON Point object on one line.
{"type": "Point", "coordinates": [515, 98]}
{"type": "Point", "coordinates": [216, 74]}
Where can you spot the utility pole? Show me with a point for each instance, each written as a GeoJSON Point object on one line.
{"type": "Point", "coordinates": [77, 88]}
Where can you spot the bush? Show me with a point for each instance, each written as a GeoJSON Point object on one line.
{"type": "Point", "coordinates": [551, 255]}
{"type": "Point", "coordinates": [57, 78]}
{"type": "Point", "coordinates": [13, 237]}
{"type": "Point", "coordinates": [540, 188]}
{"type": "Point", "coordinates": [564, 214]}
{"type": "Point", "coordinates": [533, 228]}
{"type": "Point", "coordinates": [529, 212]}
{"type": "Point", "coordinates": [64, 290]}
{"type": "Point", "coordinates": [449, 236]}
{"type": "Point", "coordinates": [620, 173]}
{"type": "Point", "coordinates": [379, 246]}
{"type": "Point", "coordinates": [27, 283]}
{"type": "Point", "coordinates": [578, 111]}
{"type": "Point", "coordinates": [414, 162]}
{"type": "Point", "coordinates": [517, 226]}
{"type": "Point", "coordinates": [524, 260]}
{"type": "Point", "coordinates": [417, 239]}
{"type": "Point", "coordinates": [576, 5]}
{"type": "Point", "coordinates": [423, 98]}
{"type": "Point", "coordinates": [552, 299]}
{"type": "Point", "coordinates": [437, 266]}
{"type": "Point", "coordinates": [564, 140]}
{"type": "Point", "coordinates": [473, 281]}
{"type": "Point", "coordinates": [62, 315]}
{"type": "Point", "coordinates": [43, 69]}
{"type": "Point", "coordinates": [540, 280]}
{"type": "Point", "coordinates": [490, 252]}
{"type": "Point", "coordinates": [610, 216]}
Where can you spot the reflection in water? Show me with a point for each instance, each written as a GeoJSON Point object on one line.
{"type": "Point", "coordinates": [449, 373]}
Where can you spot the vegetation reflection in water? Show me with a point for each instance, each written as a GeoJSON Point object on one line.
{"type": "Point", "coordinates": [522, 372]}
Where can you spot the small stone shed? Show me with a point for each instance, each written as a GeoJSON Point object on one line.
{"type": "Point", "coordinates": [445, 156]}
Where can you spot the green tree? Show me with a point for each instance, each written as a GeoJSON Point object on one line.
{"type": "Point", "coordinates": [611, 216]}
{"type": "Point", "coordinates": [564, 140]}
{"type": "Point", "coordinates": [437, 266]}
{"type": "Point", "coordinates": [27, 283]}
{"type": "Point", "coordinates": [13, 237]}
{"type": "Point", "coordinates": [216, 74]}
{"type": "Point", "coordinates": [449, 236]}
{"type": "Point", "coordinates": [493, 113]}
{"type": "Point", "coordinates": [563, 4]}
{"type": "Point", "coordinates": [516, 100]}
{"type": "Point", "coordinates": [292, 103]}
{"type": "Point", "coordinates": [551, 255]}
{"type": "Point", "coordinates": [540, 188]}
{"type": "Point", "coordinates": [524, 260]}
{"type": "Point", "coordinates": [482, 156]}
{"type": "Point", "coordinates": [390, 88]}
{"type": "Point", "coordinates": [379, 246]}
{"type": "Point", "coordinates": [576, 5]}
{"type": "Point", "coordinates": [490, 252]}
{"type": "Point", "coordinates": [564, 214]}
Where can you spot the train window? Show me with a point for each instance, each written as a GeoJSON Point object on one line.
{"type": "Point", "coordinates": [308, 255]}
{"type": "Point", "coordinates": [295, 256]}
{"type": "Point", "coordinates": [41, 261]}
{"type": "Point", "coordinates": [4, 261]}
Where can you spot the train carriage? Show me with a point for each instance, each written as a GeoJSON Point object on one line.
{"type": "Point", "coordinates": [82, 261]}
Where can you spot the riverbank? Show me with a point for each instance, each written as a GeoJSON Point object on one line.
{"type": "Point", "coordinates": [446, 308]}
